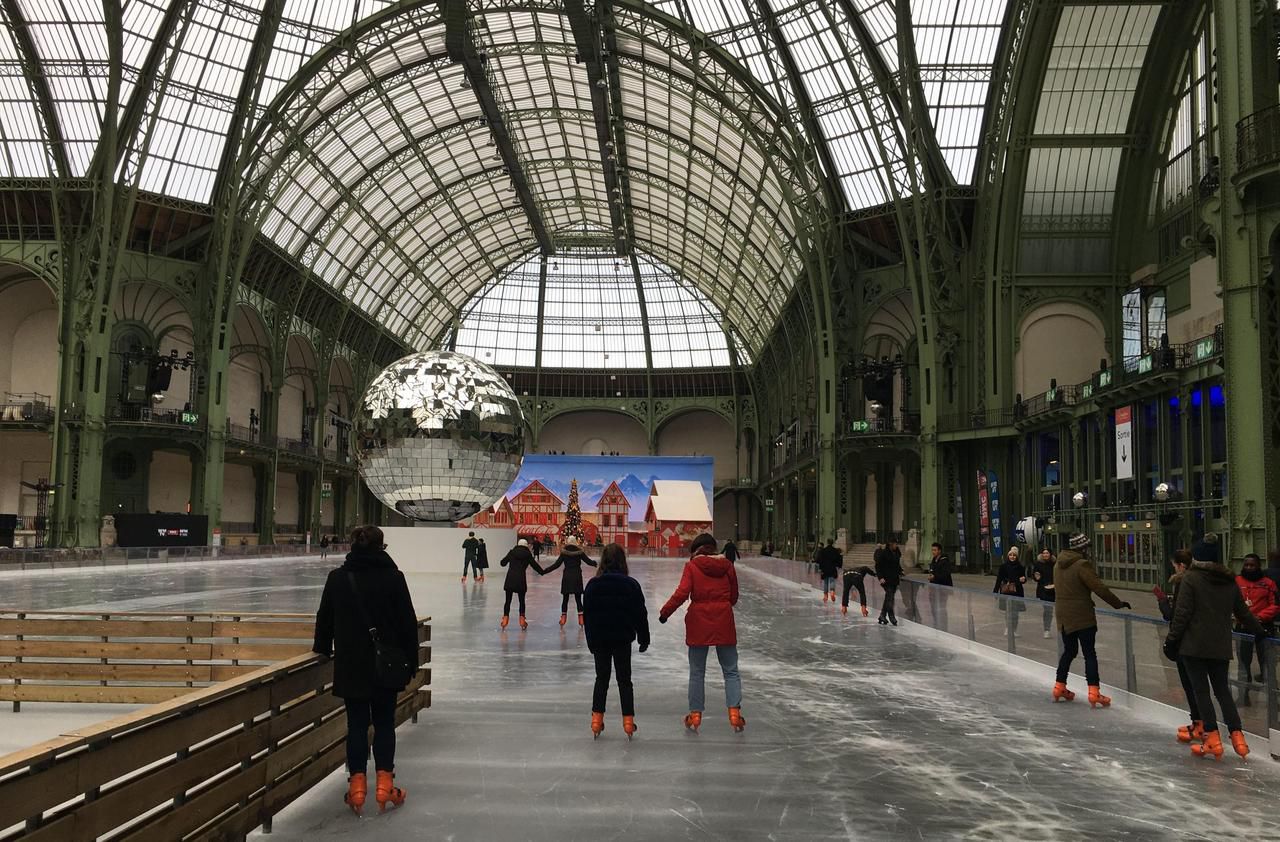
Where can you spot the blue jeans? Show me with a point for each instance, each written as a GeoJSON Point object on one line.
{"type": "Point", "coordinates": [829, 584]}
{"type": "Point", "coordinates": [728, 657]}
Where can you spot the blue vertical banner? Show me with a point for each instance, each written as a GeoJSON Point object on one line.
{"type": "Point", "coordinates": [997, 534]}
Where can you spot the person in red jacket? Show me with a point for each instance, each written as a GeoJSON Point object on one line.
{"type": "Point", "coordinates": [710, 584]}
{"type": "Point", "coordinates": [1261, 597]}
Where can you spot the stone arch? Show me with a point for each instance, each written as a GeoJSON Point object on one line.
{"type": "Point", "coordinates": [1062, 340]}
{"type": "Point", "coordinates": [297, 400]}
{"type": "Point", "coordinates": [249, 367]}
{"type": "Point", "coordinates": [587, 431]}
{"type": "Point", "coordinates": [146, 316]}
{"type": "Point", "coordinates": [701, 432]}
{"type": "Point", "coordinates": [29, 344]}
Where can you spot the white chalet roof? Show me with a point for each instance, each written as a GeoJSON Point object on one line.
{"type": "Point", "coordinates": [679, 499]}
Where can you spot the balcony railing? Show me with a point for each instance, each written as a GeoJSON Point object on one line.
{"type": "Point", "coordinates": [141, 414]}
{"type": "Point", "coordinates": [907, 424]}
{"type": "Point", "coordinates": [1258, 139]}
{"type": "Point", "coordinates": [26, 408]}
{"type": "Point", "coordinates": [250, 435]}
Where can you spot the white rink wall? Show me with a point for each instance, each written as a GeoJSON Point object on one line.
{"type": "Point", "coordinates": [438, 549]}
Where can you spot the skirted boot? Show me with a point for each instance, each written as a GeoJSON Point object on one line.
{"type": "Point", "coordinates": [693, 720]}
{"type": "Point", "coordinates": [1238, 743]}
{"type": "Point", "coordinates": [736, 720]}
{"type": "Point", "coordinates": [563, 618]}
{"type": "Point", "coordinates": [597, 723]}
{"type": "Point", "coordinates": [1096, 698]}
{"type": "Point", "coordinates": [582, 619]}
{"type": "Point", "coordinates": [1211, 747]}
{"type": "Point", "coordinates": [628, 725]}
{"type": "Point", "coordinates": [1191, 733]}
{"type": "Point", "coordinates": [357, 792]}
{"type": "Point", "coordinates": [1061, 693]}
{"type": "Point", "coordinates": [388, 793]}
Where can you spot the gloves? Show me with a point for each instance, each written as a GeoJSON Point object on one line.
{"type": "Point", "coordinates": [1171, 649]}
{"type": "Point", "coordinates": [662, 618]}
{"type": "Point", "coordinates": [643, 647]}
{"type": "Point", "coordinates": [1126, 605]}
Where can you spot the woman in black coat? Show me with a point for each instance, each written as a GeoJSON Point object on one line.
{"type": "Point", "coordinates": [615, 616]}
{"type": "Point", "coordinates": [518, 562]}
{"type": "Point", "coordinates": [1042, 572]}
{"type": "Point", "coordinates": [572, 558]}
{"type": "Point", "coordinates": [367, 585]}
{"type": "Point", "coordinates": [1010, 578]}
{"type": "Point", "coordinates": [482, 558]}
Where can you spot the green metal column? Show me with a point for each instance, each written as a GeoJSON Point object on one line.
{"type": "Point", "coordinates": [1246, 83]}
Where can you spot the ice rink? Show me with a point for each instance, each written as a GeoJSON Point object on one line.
{"type": "Point", "coordinates": [854, 730]}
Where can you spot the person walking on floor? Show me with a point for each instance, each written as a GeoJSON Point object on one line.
{"type": "Point", "coordinates": [1181, 561]}
{"type": "Point", "coordinates": [1200, 635]}
{"type": "Point", "coordinates": [324, 547]}
{"type": "Point", "coordinates": [517, 561]}
{"type": "Point", "coordinates": [615, 616]}
{"type": "Point", "coordinates": [856, 578]}
{"type": "Point", "coordinates": [1076, 582]}
{"type": "Point", "coordinates": [1010, 579]}
{"type": "Point", "coordinates": [710, 584]}
{"type": "Point", "coordinates": [1261, 598]}
{"type": "Point", "coordinates": [1042, 573]}
{"type": "Point", "coordinates": [470, 552]}
{"type": "Point", "coordinates": [730, 551]}
{"type": "Point", "coordinates": [940, 569]}
{"type": "Point", "coordinates": [572, 558]}
{"type": "Point", "coordinates": [367, 593]}
{"type": "Point", "coordinates": [482, 559]}
{"type": "Point", "coordinates": [830, 561]}
{"type": "Point", "coordinates": [889, 573]}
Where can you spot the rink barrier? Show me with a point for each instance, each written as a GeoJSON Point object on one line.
{"type": "Point", "coordinates": [1129, 645]}
{"type": "Point", "coordinates": [55, 558]}
{"type": "Point", "coordinates": [137, 657]}
{"type": "Point", "coordinates": [215, 763]}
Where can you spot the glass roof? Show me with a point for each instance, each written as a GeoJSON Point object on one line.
{"type": "Point", "coordinates": [594, 315]}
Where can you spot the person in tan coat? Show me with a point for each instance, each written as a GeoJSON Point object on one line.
{"type": "Point", "coordinates": [1076, 582]}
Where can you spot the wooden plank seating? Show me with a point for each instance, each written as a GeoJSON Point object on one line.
{"type": "Point", "coordinates": [137, 657]}
{"type": "Point", "coordinates": [212, 764]}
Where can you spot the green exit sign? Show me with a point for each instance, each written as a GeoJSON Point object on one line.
{"type": "Point", "coordinates": [1204, 349]}
{"type": "Point", "coordinates": [191, 418]}
{"type": "Point", "coordinates": [1144, 364]}
{"type": "Point", "coordinates": [1104, 379]}
{"type": "Point", "coordinates": [1087, 390]}
{"type": "Point", "coordinates": [861, 426]}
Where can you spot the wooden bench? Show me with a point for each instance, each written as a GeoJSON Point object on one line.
{"type": "Point", "coordinates": [214, 763]}
{"type": "Point", "coordinates": [137, 657]}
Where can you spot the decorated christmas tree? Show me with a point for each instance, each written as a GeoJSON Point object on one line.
{"type": "Point", "coordinates": [572, 526]}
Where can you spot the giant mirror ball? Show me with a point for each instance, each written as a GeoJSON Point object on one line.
{"type": "Point", "coordinates": [439, 436]}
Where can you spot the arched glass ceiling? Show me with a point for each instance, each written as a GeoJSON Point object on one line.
{"type": "Point", "coordinates": [585, 309]}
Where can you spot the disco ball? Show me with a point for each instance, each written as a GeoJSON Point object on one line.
{"type": "Point", "coordinates": [439, 436]}
{"type": "Point", "coordinates": [1079, 499]}
{"type": "Point", "coordinates": [1163, 492]}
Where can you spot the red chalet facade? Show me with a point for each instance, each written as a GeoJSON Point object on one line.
{"type": "Point", "coordinates": [612, 511]}
{"type": "Point", "coordinates": [537, 511]}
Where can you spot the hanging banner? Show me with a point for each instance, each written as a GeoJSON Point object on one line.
{"type": "Point", "coordinates": [997, 534]}
{"type": "Point", "coordinates": [984, 510]}
{"type": "Point", "coordinates": [960, 521]}
{"type": "Point", "coordinates": [1124, 442]}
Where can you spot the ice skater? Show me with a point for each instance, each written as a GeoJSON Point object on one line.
{"type": "Point", "coordinates": [1200, 636]}
{"type": "Point", "coordinates": [572, 558]}
{"type": "Point", "coordinates": [1042, 573]}
{"type": "Point", "coordinates": [856, 578]}
{"type": "Point", "coordinates": [1076, 582]}
{"type": "Point", "coordinates": [710, 584]}
{"type": "Point", "coordinates": [1010, 578]}
{"type": "Point", "coordinates": [889, 573]}
{"type": "Point", "coordinates": [517, 561]}
{"type": "Point", "coordinates": [470, 552]}
{"type": "Point", "coordinates": [615, 616]}
{"type": "Point", "coordinates": [482, 560]}
{"type": "Point", "coordinates": [1181, 561]}
{"type": "Point", "coordinates": [830, 561]}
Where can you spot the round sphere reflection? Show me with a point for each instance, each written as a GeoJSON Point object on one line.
{"type": "Point", "coordinates": [439, 436]}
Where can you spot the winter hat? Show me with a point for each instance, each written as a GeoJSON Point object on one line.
{"type": "Point", "coordinates": [1078, 541]}
{"type": "Point", "coordinates": [522, 543]}
{"type": "Point", "coordinates": [706, 539]}
{"type": "Point", "coordinates": [1206, 549]}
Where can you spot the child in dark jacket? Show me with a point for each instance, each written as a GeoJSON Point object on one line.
{"type": "Point", "coordinates": [613, 607]}
{"type": "Point", "coordinates": [830, 561]}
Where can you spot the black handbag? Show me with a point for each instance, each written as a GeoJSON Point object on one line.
{"type": "Point", "coordinates": [392, 668]}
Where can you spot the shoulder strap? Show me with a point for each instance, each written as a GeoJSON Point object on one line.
{"type": "Point", "coordinates": [364, 615]}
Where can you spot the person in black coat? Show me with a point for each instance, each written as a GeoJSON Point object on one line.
{"type": "Point", "coordinates": [470, 552]}
{"type": "Point", "coordinates": [889, 573]}
{"type": "Point", "coordinates": [829, 561]}
{"type": "Point", "coordinates": [482, 559]}
{"type": "Point", "coordinates": [940, 569]}
{"type": "Point", "coordinates": [856, 578]}
{"type": "Point", "coordinates": [1042, 573]}
{"type": "Point", "coordinates": [367, 585]}
{"type": "Point", "coordinates": [572, 558]}
{"type": "Point", "coordinates": [1010, 579]}
{"type": "Point", "coordinates": [615, 616]}
{"type": "Point", "coordinates": [730, 551]}
{"type": "Point", "coordinates": [518, 562]}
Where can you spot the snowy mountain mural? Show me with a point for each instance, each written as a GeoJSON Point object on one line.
{"type": "Point", "coordinates": [635, 475]}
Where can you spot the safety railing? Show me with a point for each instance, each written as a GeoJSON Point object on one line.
{"type": "Point", "coordinates": [1258, 139]}
{"type": "Point", "coordinates": [1130, 646]}
{"type": "Point", "coordinates": [48, 558]}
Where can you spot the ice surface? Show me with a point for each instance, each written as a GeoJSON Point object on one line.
{"type": "Point", "coordinates": [854, 730]}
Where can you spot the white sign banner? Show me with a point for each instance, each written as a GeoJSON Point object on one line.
{"type": "Point", "coordinates": [1124, 442]}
